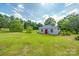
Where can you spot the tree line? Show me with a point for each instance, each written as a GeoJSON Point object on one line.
{"type": "Point", "coordinates": [16, 24]}
{"type": "Point", "coordinates": [70, 23]}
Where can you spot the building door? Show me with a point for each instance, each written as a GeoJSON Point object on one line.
{"type": "Point", "coordinates": [46, 31]}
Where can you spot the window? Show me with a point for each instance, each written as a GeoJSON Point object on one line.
{"type": "Point", "coordinates": [41, 30]}
{"type": "Point", "coordinates": [51, 30]}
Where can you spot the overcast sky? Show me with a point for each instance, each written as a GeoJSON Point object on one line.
{"type": "Point", "coordinates": [38, 12]}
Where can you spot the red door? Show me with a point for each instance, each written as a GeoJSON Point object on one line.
{"type": "Point", "coordinates": [46, 31]}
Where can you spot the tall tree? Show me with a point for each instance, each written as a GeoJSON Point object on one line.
{"type": "Point", "coordinates": [50, 21]}
{"type": "Point", "coordinates": [12, 17]}
{"type": "Point", "coordinates": [39, 24]}
{"type": "Point", "coordinates": [4, 21]}
{"type": "Point", "coordinates": [70, 23]}
{"type": "Point", "coordinates": [16, 25]}
{"type": "Point", "coordinates": [1, 21]}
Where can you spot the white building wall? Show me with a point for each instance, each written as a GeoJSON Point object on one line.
{"type": "Point", "coordinates": [55, 30]}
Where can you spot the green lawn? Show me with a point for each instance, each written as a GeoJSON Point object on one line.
{"type": "Point", "coordinates": [21, 44]}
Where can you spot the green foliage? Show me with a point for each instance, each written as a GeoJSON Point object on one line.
{"type": "Point", "coordinates": [25, 25]}
{"type": "Point", "coordinates": [70, 23]}
{"type": "Point", "coordinates": [64, 32]}
{"type": "Point", "coordinates": [1, 20]}
{"type": "Point", "coordinates": [50, 21]}
{"type": "Point", "coordinates": [39, 25]}
{"type": "Point", "coordinates": [4, 21]}
{"type": "Point", "coordinates": [16, 25]}
{"type": "Point", "coordinates": [29, 29]}
{"type": "Point", "coordinates": [33, 24]}
{"type": "Point", "coordinates": [77, 38]}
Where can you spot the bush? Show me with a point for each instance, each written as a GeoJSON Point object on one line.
{"type": "Point", "coordinates": [65, 33]}
{"type": "Point", "coordinates": [16, 26]}
{"type": "Point", "coordinates": [29, 29]}
{"type": "Point", "coordinates": [77, 38]}
{"type": "Point", "coordinates": [74, 32]}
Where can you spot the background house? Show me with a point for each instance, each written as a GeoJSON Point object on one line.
{"type": "Point", "coordinates": [49, 29]}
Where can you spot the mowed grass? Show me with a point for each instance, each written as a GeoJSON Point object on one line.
{"type": "Point", "coordinates": [34, 44]}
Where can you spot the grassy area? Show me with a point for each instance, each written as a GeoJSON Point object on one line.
{"type": "Point", "coordinates": [34, 44]}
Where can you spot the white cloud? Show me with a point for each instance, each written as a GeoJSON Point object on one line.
{"type": "Point", "coordinates": [18, 10]}
{"type": "Point", "coordinates": [40, 21]}
{"type": "Point", "coordinates": [16, 14]}
{"type": "Point", "coordinates": [69, 8]}
{"type": "Point", "coordinates": [74, 10]}
{"type": "Point", "coordinates": [68, 4]}
{"type": "Point", "coordinates": [21, 6]}
{"type": "Point", "coordinates": [69, 11]}
{"type": "Point", "coordinates": [32, 14]}
{"type": "Point", "coordinates": [65, 13]}
{"type": "Point", "coordinates": [4, 13]}
{"type": "Point", "coordinates": [45, 16]}
{"type": "Point", "coordinates": [57, 18]}
{"type": "Point", "coordinates": [62, 14]}
{"type": "Point", "coordinates": [19, 16]}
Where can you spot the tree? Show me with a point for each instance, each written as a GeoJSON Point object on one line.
{"type": "Point", "coordinates": [1, 20]}
{"type": "Point", "coordinates": [12, 18]}
{"type": "Point", "coordinates": [70, 23]}
{"type": "Point", "coordinates": [27, 23]}
{"type": "Point", "coordinates": [16, 25]}
{"type": "Point", "coordinates": [29, 29]}
{"type": "Point", "coordinates": [34, 25]}
{"type": "Point", "coordinates": [4, 21]}
{"type": "Point", "coordinates": [50, 21]}
{"type": "Point", "coordinates": [39, 25]}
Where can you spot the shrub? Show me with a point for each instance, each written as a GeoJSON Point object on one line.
{"type": "Point", "coordinates": [73, 32]}
{"type": "Point", "coordinates": [16, 26]}
{"type": "Point", "coordinates": [77, 38]}
{"type": "Point", "coordinates": [29, 29]}
{"type": "Point", "coordinates": [65, 33]}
